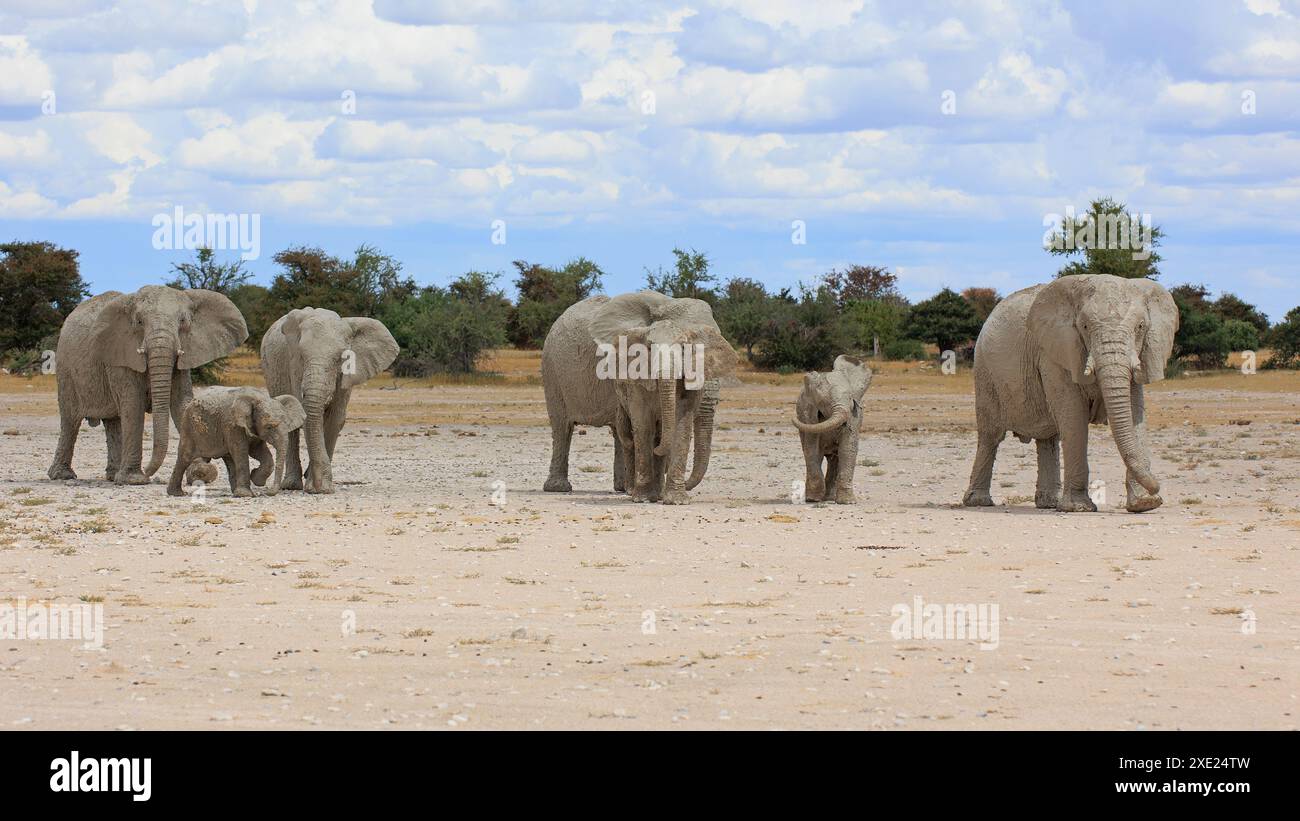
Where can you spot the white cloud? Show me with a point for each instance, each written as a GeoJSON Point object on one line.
{"type": "Point", "coordinates": [24, 76]}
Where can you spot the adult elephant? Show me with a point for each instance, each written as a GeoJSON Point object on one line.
{"type": "Point", "coordinates": [319, 357]}
{"type": "Point", "coordinates": [663, 406]}
{"type": "Point", "coordinates": [1053, 358]}
{"type": "Point", "coordinates": [122, 355]}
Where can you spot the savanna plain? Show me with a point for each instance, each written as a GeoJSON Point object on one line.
{"type": "Point", "coordinates": [441, 588]}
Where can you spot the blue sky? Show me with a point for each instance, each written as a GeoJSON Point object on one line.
{"type": "Point", "coordinates": [616, 130]}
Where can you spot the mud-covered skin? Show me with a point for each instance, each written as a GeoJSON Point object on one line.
{"type": "Point", "coordinates": [828, 415]}
{"type": "Point", "coordinates": [233, 424]}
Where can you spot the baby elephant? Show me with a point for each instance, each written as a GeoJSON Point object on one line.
{"type": "Point", "coordinates": [829, 417]}
{"type": "Point", "coordinates": [234, 423]}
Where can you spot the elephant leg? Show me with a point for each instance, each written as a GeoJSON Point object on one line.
{"type": "Point", "coordinates": [131, 420]}
{"type": "Point", "coordinates": [69, 426]}
{"type": "Point", "coordinates": [1139, 500]}
{"type": "Point", "coordinates": [183, 458]}
{"type": "Point", "coordinates": [292, 465]}
{"type": "Point", "coordinates": [1048, 492]}
{"type": "Point", "coordinates": [1072, 422]}
{"type": "Point", "coordinates": [620, 469]}
{"type": "Point", "coordinates": [846, 460]}
{"type": "Point", "coordinates": [239, 480]}
{"type": "Point", "coordinates": [230, 471]}
{"type": "Point", "coordinates": [260, 451]}
{"type": "Point", "coordinates": [335, 416]}
{"type": "Point", "coordinates": [561, 439]}
{"type": "Point", "coordinates": [643, 437]}
{"type": "Point", "coordinates": [981, 475]}
{"type": "Point", "coordinates": [832, 474]}
{"type": "Point", "coordinates": [674, 492]}
{"type": "Point", "coordinates": [626, 444]}
{"type": "Point", "coordinates": [814, 486]}
{"type": "Point", "coordinates": [113, 440]}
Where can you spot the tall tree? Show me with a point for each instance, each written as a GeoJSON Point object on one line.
{"type": "Point", "coordinates": [1106, 239]}
{"type": "Point", "coordinates": [690, 277]}
{"type": "Point", "coordinates": [742, 310]}
{"type": "Point", "coordinates": [205, 272]}
{"type": "Point", "coordinates": [946, 319]}
{"type": "Point", "coordinates": [865, 283]}
{"type": "Point", "coordinates": [40, 284]}
{"type": "Point", "coordinates": [983, 300]}
{"type": "Point", "coordinates": [544, 294]}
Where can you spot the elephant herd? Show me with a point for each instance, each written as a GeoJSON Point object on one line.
{"type": "Point", "coordinates": [1050, 360]}
{"type": "Point", "coordinates": [122, 355]}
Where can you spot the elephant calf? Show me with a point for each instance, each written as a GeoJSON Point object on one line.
{"type": "Point", "coordinates": [234, 423]}
{"type": "Point", "coordinates": [828, 415]}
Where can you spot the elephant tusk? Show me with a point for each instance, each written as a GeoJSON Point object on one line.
{"type": "Point", "coordinates": [140, 349]}
{"type": "Point", "coordinates": [180, 352]}
{"type": "Point", "coordinates": [1088, 366]}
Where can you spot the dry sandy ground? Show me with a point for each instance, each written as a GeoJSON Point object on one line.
{"type": "Point", "coordinates": [742, 610]}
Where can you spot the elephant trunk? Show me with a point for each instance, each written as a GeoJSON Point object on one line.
{"type": "Point", "coordinates": [315, 396]}
{"type": "Point", "coordinates": [1114, 378]}
{"type": "Point", "coordinates": [839, 415]}
{"type": "Point", "coordinates": [281, 448]}
{"type": "Point", "coordinates": [667, 415]}
{"type": "Point", "coordinates": [162, 361]}
{"type": "Point", "coordinates": [703, 434]}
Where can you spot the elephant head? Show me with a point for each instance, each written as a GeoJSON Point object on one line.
{"type": "Point", "coordinates": [837, 395]}
{"type": "Point", "coordinates": [159, 329]}
{"type": "Point", "coordinates": [271, 420]}
{"type": "Point", "coordinates": [683, 344]}
{"type": "Point", "coordinates": [331, 354]}
{"type": "Point", "coordinates": [1113, 333]}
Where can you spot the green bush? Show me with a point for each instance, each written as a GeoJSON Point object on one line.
{"type": "Point", "coordinates": [906, 350]}
{"type": "Point", "coordinates": [448, 330]}
{"type": "Point", "coordinates": [1285, 342]}
{"type": "Point", "coordinates": [806, 334]}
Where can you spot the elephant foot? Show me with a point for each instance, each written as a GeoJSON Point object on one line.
{"type": "Point", "coordinates": [845, 497]}
{"type": "Point", "coordinates": [1077, 502]}
{"type": "Point", "coordinates": [243, 492]}
{"type": "Point", "coordinates": [1141, 504]}
{"type": "Point", "coordinates": [1046, 499]}
{"type": "Point", "coordinates": [676, 497]}
{"type": "Point", "coordinates": [620, 487]}
{"type": "Point", "coordinates": [320, 487]}
{"type": "Point", "coordinates": [131, 477]}
{"type": "Point", "coordinates": [291, 482]}
{"type": "Point", "coordinates": [59, 472]}
{"type": "Point", "coordinates": [977, 498]}
{"type": "Point", "coordinates": [558, 484]}
{"type": "Point", "coordinates": [175, 490]}
{"type": "Point", "coordinates": [259, 476]}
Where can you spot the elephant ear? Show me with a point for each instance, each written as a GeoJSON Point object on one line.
{"type": "Point", "coordinates": [216, 328]}
{"type": "Point", "coordinates": [625, 313]}
{"type": "Point", "coordinates": [293, 415]}
{"type": "Point", "coordinates": [373, 349]}
{"type": "Point", "coordinates": [116, 336]}
{"type": "Point", "coordinates": [1052, 328]}
{"type": "Point", "coordinates": [1162, 324]}
{"type": "Point", "coordinates": [856, 373]}
{"type": "Point", "coordinates": [243, 412]}
{"type": "Point", "coordinates": [720, 359]}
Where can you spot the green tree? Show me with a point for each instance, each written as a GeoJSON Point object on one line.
{"type": "Point", "coordinates": [742, 311]}
{"type": "Point", "coordinates": [1284, 339]}
{"type": "Point", "coordinates": [802, 335]}
{"type": "Point", "coordinates": [946, 319]}
{"type": "Point", "coordinates": [690, 277]}
{"type": "Point", "coordinates": [1201, 334]}
{"type": "Point", "coordinates": [209, 274]}
{"type": "Point", "coordinates": [868, 321]}
{"type": "Point", "coordinates": [1230, 306]}
{"type": "Point", "coordinates": [259, 308]}
{"type": "Point", "coordinates": [863, 283]}
{"type": "Point", "coordinates": [357, 287]}
{"type": "Point", "coordinates": [1241, 335]}
{"type": "Point", "coordinates": [40, 284]}
{"type": "Point", "coordinates": [544, 294]}
{"type": "Point", "coordinates": [1104, 240]}
{"type": "Point", "coordinates": [447, 330]}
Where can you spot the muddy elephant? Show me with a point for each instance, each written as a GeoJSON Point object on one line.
{"type": "Point", "coordinates": [1053, 358]}
{"type": "Point", "coordinates": [318, 357]}
{"type": "Point", "coordinates": [665, 357]}
{"type": "Point", "coordinates": [233, 424]}
{"type": "Point", "coordinates": [828, 415]}
{"type": "Point", "coordinates": [123, 355]}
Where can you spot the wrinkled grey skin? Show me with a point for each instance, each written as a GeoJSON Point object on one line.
{"type": "Point", "coordinates": [828, 415]}
{"type": "Point", "coordinates": [1053, 358]}
{"type": "Point", "coordinates": [574, 396]}
{"type": "Point", "coordinates": [232, 424]}
{"type": "Point", "coordinates": [122, 355]}
{"type": "Point", "coordinates": [318, 357]}
{"type": "Point", "coordinates": [657, 418]}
